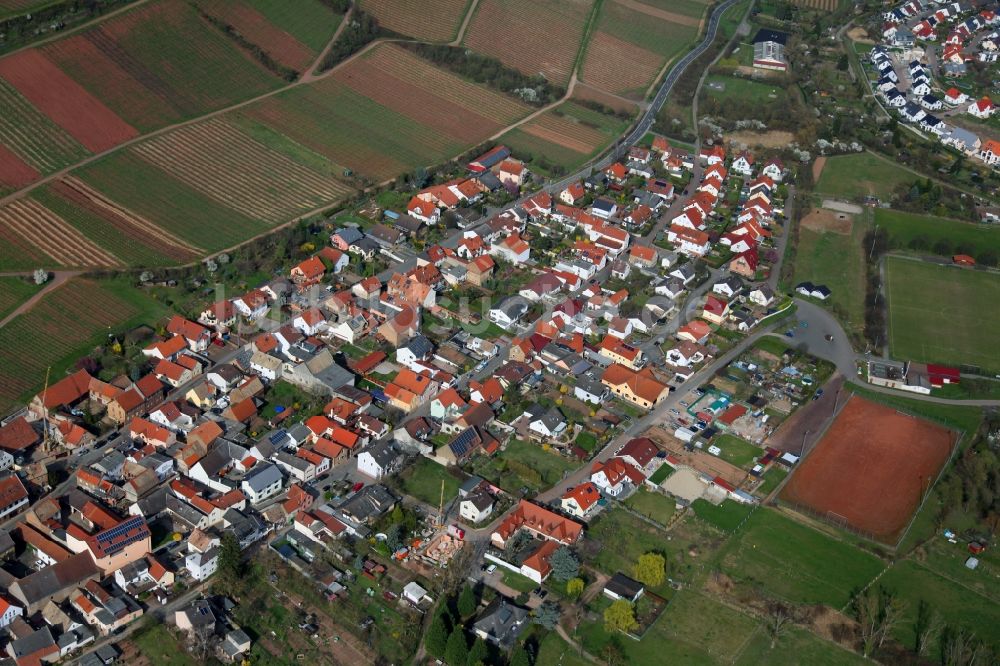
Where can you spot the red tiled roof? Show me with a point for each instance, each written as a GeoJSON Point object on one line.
{"type": "Point", "coordinates": [585, 494]}
{"type": "Point", "coordinates": [18, 435]}
{"type": "Point", "coordinates": [67, 390]}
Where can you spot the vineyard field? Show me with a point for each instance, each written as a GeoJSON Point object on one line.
{"type": "Point", "coordinates": [159, 64]}
{"type": "Point", "coordinates": [168, 202]}
{"type": "Point", "coordinates": [130, 250]}
{"type": "Point", "coordinates": [311, 22]}
{"type": "Point", "coordinates": [533, 36]}
{"type": "Point", "coordinates": [434, 22]}
{"type": "Point", "coordinates": [13, 292]}
{"type": "Point", "coordinates": [35, 140]}
{"type": "Point", "coordinates": [258, 29]}
{"type": "Point", "coordinates": [567, 135]}
{"type": "Point", "coordinates": [60, 328]}
{"type": "Point", "coordinates": [50, 234]}
{"type": "Point", "coordinates": [218, 160]}
{"type": "Point", "coordinates": [634, 40]}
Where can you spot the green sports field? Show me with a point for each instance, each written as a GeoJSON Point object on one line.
{"type": "Point", "coordinates": [943, 314]}
{"type": "Point", "coordinates": [840, 177]}
{"type": "Point", "coordinates": [927, 233]}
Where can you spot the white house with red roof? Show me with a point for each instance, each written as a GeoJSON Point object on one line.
{"type": "Point", "coordinates": [513, 248]}
{"type": "Point", "coordinates": [425, 211]}
{"type": "Point", "coordinates": [581, 501]}
{"type": "Point", "coordinates": [743, 164]}
{"type": "Point", "coordinates": [572, 194]}
{"type": "Point", "coordinates": [712, 154]}
{"type": "Point", "coordinates": [512, 171]}
{"type": "Point", "coordinates": [982, 108]}
{"type": "Point", "coordinates": [616, 476]}
{"type": "Point", "coordinates": [195, 335]}
{"type": "Point", "coordinates": [773, 169]}
{"type": "Point", "coordinates": [688, 241]}
{"type": "Point", "coordinates": [954, 97]}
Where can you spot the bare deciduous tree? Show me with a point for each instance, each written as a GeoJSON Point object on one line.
{"type": "Point", "coordinates": [927, 628]}
{"type": "Point", "coordinates": [878, 612]}
{"type": "Point", "coordinates": [777, 621]}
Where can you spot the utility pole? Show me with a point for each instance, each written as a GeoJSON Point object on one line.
{"type": "Point", "coordinates": [441, 506]}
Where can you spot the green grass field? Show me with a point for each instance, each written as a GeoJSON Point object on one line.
{"type": "Point", "coordinates": [523, 464]}
{"type": "Point", "coordinates": [737, 451]}
{"type": "Point", "coordinates": [743, 91]}
{"type": "Point", "coordinates": [653, 505]}
{"type": "Point", "coordinates": [796, 647]}
{"type": "Point", "coordinates": [943, 314]}
{"type": "Point", "coordinates": [838, 261]}
{"type": "Point", "coordinates": [651, 33]}
{"type": "Point", "coordinates": [160, 647]}
{"type": "Point", "coordinates": [726, 516]}
{"type": "Point", "coordinates": [722, 638]}
{"type": "Point", "coordinates": [860, 175]}
{"type": "Point", "coordinates": [423, 480]}
{"type": "Point", "coordinates": [958, 605]}
{"type": "Point", "coordinates": [797, 563]}
{"type": "Point", "coordinates": [927, 231]}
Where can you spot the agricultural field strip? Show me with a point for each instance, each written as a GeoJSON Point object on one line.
{"type": "Point", "coordinates": [436, 22]}
{"type": "Point", "coordinates": [255, 28]}
{"type": "Point", "coordinates": [134, 220]}
{"type": "Point", "coordinates": [561, 130]}
{"type": "Point", "coordinates": [406, 66]}
{"type": "Point", "coordinates": [614, 65]}
{"type": "Point", "coordinates": [550, 33]}
{"type": "Point", "coordinates": [52, 235]}
{"type": "Point", "coordinates": [29, 134]}
{"type": "Point", "coordinates": [217, 159]}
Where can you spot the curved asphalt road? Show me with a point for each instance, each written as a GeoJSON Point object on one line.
{"type": "Point", "coordinates": [649, 115]}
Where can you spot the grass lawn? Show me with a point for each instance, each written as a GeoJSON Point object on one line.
{"type": "Point", "coordinates": [772, 478]}
{"type": "Point", "coordinates": [523, 464]}
{"type": "Point", "coordinates": [837, 261]}
{"type": "Point", "coordinates": [660, 475]}
{"type": "Point", "coordinates": [616, 539]}
{"type": "Point", "coordinates": [737, 451]}
{"type": "Point", "coordinates": [686, 620]}
{"type": "Point", "coordinates": [692, 630]}
{"type": "Point", "coordinates": [554, 651]}
{"type": "Point", "coordinates": [586, 441]}
{"type": "Point", "coordinates": [772, 344]}
{"type": "Point", "coordinates": [652, 505]}
{"type": "Point", "coordinates": [796, 646]}
{"type": "Point", "coordinates": [795, 562]}
{"type": "Point", "coordinates": [423, 481]}
{"type": "Point", "coordinates": [959, 606]}
{"type": "Point", "coordinates": [962, 237]}
{"type": "Point", "coordinates": [743, 91]}
{"type": "Point", "coordinates": [517, 581]}
{"type": "Point", "coordinates": [726, 516]}
{"type": "Point", "coordinates": [283, 394]}
{"type": "Point", "coordinates": [860, 175]}
{"type": "Point", "coordinates": [936, 314]}
{"type": "Point", "coordinates": [160, 647]}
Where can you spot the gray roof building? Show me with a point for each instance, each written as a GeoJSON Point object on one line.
{"type": "Point", "coordinates": [501, 623]}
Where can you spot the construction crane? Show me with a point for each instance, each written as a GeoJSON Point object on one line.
{"type": "Point", "coordinates": [45, 413]}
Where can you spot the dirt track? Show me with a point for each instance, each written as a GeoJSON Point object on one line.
{"type": "Point", "coordinates": [872, 469]}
